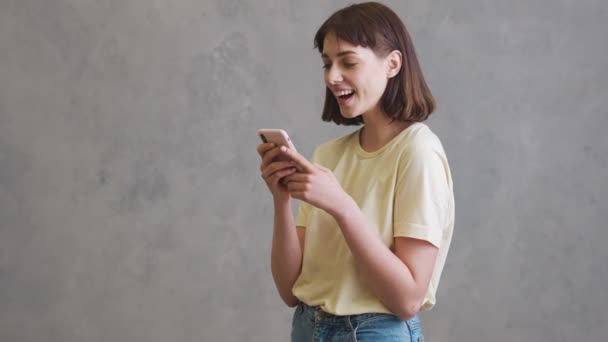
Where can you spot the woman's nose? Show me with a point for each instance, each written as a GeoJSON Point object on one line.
{"type": "Point", "coordinates": [334, 75]}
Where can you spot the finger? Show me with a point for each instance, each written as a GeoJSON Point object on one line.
{"type": "Point", "coordinates": [265, 147]}
{"type": "Point", "coordinates": [297, 177]}
{"type": "Point", "coordinates": [299, 195]}
{"type": "Point", "coordinates": [276, 177]}
{"type": "Point", "coordinates": [262, 148]}
{"type": "Point", "coordinates": [298, 158]}
{"type": "Point", "coordinates": [268, 157]}
{"type": "Point", "coordinates": [297, 186]}
{"type": "Point", "coordinates": [276, 166]}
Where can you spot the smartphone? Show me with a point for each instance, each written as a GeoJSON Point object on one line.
{"type": "Point", "coordinates": [277, 136]}
{"type": "Point", "coordinates": [280, 138]}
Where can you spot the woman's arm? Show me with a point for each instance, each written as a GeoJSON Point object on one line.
{"type": "Point", "coordinates": [286, 254]}
{"type": "Point", "coordinates": [398, 279]}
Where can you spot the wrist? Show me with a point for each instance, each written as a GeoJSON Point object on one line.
{"type": "Point", "coordinates": [282, 201]}
{"type": "Point", "coordinates": [344, 207]}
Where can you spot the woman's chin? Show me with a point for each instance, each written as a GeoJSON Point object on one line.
{"type": "Point", "coordinates": [349, 113]}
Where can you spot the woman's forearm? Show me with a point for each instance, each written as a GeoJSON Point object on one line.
{"type": "Point", "coordinates": [386, 275]}
{"type": "Point", "coordinates": [286, 254]}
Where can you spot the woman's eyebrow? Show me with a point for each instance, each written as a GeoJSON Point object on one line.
{"type": "Point", "coordinates": [341, 53]}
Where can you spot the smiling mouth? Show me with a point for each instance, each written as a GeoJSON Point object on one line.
{"type": "Point", "coordinates": [345, 95]}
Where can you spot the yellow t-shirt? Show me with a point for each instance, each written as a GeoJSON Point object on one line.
{"type": "Point", "coordinates": [404, 189]}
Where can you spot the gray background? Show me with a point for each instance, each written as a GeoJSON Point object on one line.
{"type": "Point", "coordinates": [131, 206]}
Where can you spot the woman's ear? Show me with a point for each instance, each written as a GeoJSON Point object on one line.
{"type": "Point", "coordinates": [394, 63]}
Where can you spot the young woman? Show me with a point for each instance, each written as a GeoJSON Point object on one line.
{"type": "Point", "coordinates": [366, 251]}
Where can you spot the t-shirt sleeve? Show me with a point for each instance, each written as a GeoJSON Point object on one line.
{"type": "Point", "coordinates": [421, 195]}
{"type": "Point", "coordinates": [305, 208]}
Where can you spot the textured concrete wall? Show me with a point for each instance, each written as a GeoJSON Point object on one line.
{"type": "Point", "coordinates": [131, 206]}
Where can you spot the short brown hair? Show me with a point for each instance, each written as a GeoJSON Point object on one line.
{"type": "Point", "coordinates": [407, 96]}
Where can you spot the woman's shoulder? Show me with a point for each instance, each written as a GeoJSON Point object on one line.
{"type": "Point", "coordinates": [421, 137]}
{"type": "Point", "coordinates": [419, 132]}
{"type": "Point", "coordinates": [336, 144]}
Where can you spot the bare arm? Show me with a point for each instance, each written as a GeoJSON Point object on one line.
{"type": "Point", "coordinates": [399, 279]}
{"type": "Point", "coordinates": [286, 255]}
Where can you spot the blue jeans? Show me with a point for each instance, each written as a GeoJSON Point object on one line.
{"type": "Point", "coordinates": [312, 324]}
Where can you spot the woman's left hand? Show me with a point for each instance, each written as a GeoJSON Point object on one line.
{"type": "Point", "coordinates": [314, 184]}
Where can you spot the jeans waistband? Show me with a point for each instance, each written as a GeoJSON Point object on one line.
{"type": "Point", "coordinates": [316, 313]}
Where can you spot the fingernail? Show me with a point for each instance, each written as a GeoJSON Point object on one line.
{"type": "Point", "coordinates": [283, 148]}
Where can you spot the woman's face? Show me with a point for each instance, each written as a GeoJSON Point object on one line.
{"type": "Point", "coordinates": [354, 75]}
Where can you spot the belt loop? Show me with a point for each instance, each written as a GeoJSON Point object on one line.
{"type": "Point", "coordinates": [352, 326]}
{"type": "Point", "coordinates": [320, 313]}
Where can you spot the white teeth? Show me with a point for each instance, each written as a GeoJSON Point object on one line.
{"type": "Point", "coordinates": [344, 92]}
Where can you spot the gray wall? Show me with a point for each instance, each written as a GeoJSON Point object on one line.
{"type": "Point", "coordinates": [131, 206]}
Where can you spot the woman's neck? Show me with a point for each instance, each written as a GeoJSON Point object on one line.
{"type": "Point", "coordinates": [378, 130]}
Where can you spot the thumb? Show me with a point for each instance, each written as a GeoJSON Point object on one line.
{"type": "Point", "coordinates": [323, 168]}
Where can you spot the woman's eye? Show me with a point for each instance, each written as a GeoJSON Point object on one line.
{"type": "Point", "coordinates": [346, 65]}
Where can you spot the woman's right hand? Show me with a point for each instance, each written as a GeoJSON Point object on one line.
{"type": "Point", "coordinates": [274, 171]}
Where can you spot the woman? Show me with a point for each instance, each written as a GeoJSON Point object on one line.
{"type": "Point", "coordinates": [366, 251]}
